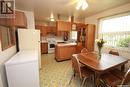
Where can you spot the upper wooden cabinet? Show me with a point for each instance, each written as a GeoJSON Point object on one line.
{"type": "Point", "coordinates": [46, 29]}
{"type": "Point", "coordinates": [20, 20]}
{"type": "Point", "coordinates": [63, 26]}
{"type": "Point", "coordinates": [80, 26]}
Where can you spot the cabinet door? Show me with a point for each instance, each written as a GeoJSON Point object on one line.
{"type": "Point", "coordinates": [90, 37]}
{"type": "Point", "coordinates": [44, 30]}
{"type": "Point", "coordinates": [38, 27]}
{"type": "Point", "coordinates": [53, 30]}
{"type": "Point", "coordinates": [20, 19]}
{"type": "Point", "coordinates": [44, 47]}
{"type": "Point", "coordinates": [63, 26]}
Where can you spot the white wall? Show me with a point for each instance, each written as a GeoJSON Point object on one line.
{"type": "Point", "coordinates": [30, 19]}
{"type": "Point", "coordinates": [8, 53]}
{"type": "Point", "coordinates": [94, 20]}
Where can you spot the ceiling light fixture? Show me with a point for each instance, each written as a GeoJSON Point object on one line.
{"type": "Point", "coordinates": [82, 4]}
{"type": "Point", "coordinates": [52, 17]}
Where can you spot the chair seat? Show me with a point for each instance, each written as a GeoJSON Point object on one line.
{"type": "Point", "coordinates": [111, 80]}
{"type": "Point", "coordinates": [86, 72]}
{"type": "Point", "coordinates": [118, 73]}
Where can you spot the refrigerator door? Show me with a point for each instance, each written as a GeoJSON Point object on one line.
{"type": "Point", "coordinates": [29, 39]}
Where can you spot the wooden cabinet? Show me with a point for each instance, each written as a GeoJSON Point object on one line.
{"type": "Point", "coordinates": [46, 29]}
{"type": "Point", "coordinates": [19, 20]}
{"type": "Point", "coordinates": [38, 27]}
{"type": "Point", "coordinates": [86, 37]}
{"type": "Point", "coordinates": [44, 48]}
{"type": "Point", "coordinates": [90, 37]}
{"type": "Point", "coordinates": [80, 26]}
{"type": "Point", "coordinates": [64, 51]}
{"type": "Point", "coordinates": [63, 26]}
{"type": "Point", "coordinates": [51, 30]}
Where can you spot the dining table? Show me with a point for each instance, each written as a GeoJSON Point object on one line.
{"type": "Point", "coordinates": [103, 65]}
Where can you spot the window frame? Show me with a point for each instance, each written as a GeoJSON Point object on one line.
{"type": "Point", "coordinates": [11, 37]}
{"type": "Point", "coordinates": [126, 49]}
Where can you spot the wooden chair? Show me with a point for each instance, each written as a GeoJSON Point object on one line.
{"type": "Point", "coordinates": [116, 72]}
{"type": "Point", "coordinates": [84, 50]}
{"type": "Point", "coordinates": [114, 52]}
{"type": "Point", "coordinates": [113, 81]}
{"type": "Point", "coordinates": [82, 72]}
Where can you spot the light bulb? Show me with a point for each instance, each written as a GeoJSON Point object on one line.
{"type": "Point", "coordinates": [84, 5]}
{"type": "Point", "coordinates": [80, 2]}
{"type": "Point", "coordinates": [52, 19]}
{"type": "Point", "coordinates": [52, 16]}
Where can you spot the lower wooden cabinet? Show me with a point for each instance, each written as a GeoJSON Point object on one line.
{"type": "Point", "coordinates": [44, 48]}
{"type": "Point", "coordinates": [64, 52]}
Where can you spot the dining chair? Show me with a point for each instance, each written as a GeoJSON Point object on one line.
{"type": "Point", "coordinates": [116, 71]}
{"type": "Point", "coordinates": [84, 50]}
{"type": "Point", "coordinates": [114, 52]}
{"type": "Point", "coordinates": [82, 72]}
{"type": "Point", "coordinates": [113, 81]}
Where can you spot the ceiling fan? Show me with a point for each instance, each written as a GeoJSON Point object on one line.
{"type": "Point", "coordinates": [80, 4]}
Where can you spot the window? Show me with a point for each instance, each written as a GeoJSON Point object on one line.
{"type": "Point", "coordinates": [6, 37]}
{"type": "Point", "coordinates": [115, 30]}
{"type": "Point", "coordinates": [73, 35]}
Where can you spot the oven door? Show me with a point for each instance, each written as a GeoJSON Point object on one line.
{"type": "Point", "coordinates": [51, 47]}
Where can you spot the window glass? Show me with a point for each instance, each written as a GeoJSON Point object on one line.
{"type": "Point", "coordinates": [115, 30]}
{"type": "Point", "coordinates": [6, 37]}
{"type": "Point", "coordinates": [73, 35]}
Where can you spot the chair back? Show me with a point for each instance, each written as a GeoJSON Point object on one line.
{"type": "Point", "coordinates": [76, 65]}
{"type": "Point", "coordinates": [126, 79]}
{"type": "Point", "coordinates": [114, 52]}
{"type": "Point", "coordinates": [84, 50]}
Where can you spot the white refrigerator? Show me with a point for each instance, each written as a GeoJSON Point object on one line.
{"type": "Point", "coordinates": [29, 39]}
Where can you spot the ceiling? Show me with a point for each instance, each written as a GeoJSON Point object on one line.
{"type": "Point", "coordinates": [43, 8]}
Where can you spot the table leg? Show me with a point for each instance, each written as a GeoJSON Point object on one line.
{"type": "Point", "coordinates": [123, 68]}
{"type": "Point", "coordinates": [97, 80]}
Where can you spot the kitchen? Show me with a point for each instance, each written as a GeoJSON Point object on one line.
{"type": "Point", "coordinates": [63, 31]}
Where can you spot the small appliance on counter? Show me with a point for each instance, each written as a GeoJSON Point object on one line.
{"type": "Point", "coordinates": [65, 36]}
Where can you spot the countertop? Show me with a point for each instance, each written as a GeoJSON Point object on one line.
{"type": "Point", "coordinates": [66, 44]}
{"type": "Point", "coordinates": [23, 57]}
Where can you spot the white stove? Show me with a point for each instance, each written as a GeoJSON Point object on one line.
{"type": "Point", "coordinates": [51, 45]}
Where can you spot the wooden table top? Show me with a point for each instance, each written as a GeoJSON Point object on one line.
{"type": "Point", "coordinates": [106, 62]}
